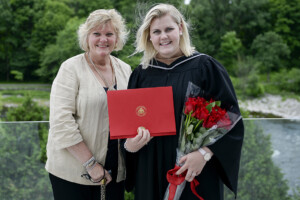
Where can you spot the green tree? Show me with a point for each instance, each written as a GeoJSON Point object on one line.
{"type": "Point", "coordinates": [246, 79]}
{"type": "Point", "coordinates": [270, 50]}
{"type": "Point", "coordinates": [49, 21]}
{"type": "Point", "coordinates": [15, 28]}
{"type": "Point", "coordinates": [286, 22]}
{"type": "Point", "coordinates": [66, 46]}
{"type": "Point", "coordinates": [82, 8]}
{"type": "Point", "coordinates": [287, 80]}
{"type": "Point", "coordinates": [229, 53]}
{"type": "Point", "coordinates": [259, 178]}
{"type": "Point", "coordinates": [7, 40]}
{"type": "Point", "coordinates": [28, 111]}
{"type": "Point", "coordinates": [18, 75]}
{"type": "Point", "coordinates": [212, 19]}
{"type": "Point", "coordinates": [248, 19]}
{"type": "Point", "coordinates": [51, 16]}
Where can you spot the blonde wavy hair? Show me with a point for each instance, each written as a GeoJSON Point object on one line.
{"type": "Point", "coordinates": [98, 18]}
{"type": "Point", "coordinates": [143, 43]}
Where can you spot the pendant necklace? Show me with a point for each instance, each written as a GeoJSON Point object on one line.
{"type": "Point", "coordinates": [111, 87]}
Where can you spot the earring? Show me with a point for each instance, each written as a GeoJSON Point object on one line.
{"type": "Point", "coordinates": [180, 33]}
{"type": "Point", "coordinates": [150, 39]}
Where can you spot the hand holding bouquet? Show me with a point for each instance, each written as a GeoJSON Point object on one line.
{"type": "Point", "coordinates": [203, 123]}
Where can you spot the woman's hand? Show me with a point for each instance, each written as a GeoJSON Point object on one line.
{"type": "Point", "coordinates": [97, 173]}
{"type": "Point", "coordinates": [193, 163]}
{"type": "Point", "coordinates": [140, 140]}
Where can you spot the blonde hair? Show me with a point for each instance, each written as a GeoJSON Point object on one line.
{"type": "Point", "coordinates": [143, 43]}
{"type": "Point", "coordinates": [98, 18]}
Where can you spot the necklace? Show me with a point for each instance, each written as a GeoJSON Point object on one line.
{"type": "Point", "coordinates": [110, 87]}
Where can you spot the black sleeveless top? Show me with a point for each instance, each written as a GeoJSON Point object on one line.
{"type": "Point", "coordinates": [111, 161]}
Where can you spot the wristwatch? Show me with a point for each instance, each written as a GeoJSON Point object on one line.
{"type": "Point", "coordinates": [206, 155]}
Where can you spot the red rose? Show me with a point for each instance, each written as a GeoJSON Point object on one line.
{"type": "Point", "coordinates": [215, 116]}
{"type": "Point", "coordinates": [202, 113]}
{"type": "Point", "coordinates": [209, 122]}
{"type": "Point", "coordinates": [188, 109]}
{"type": "Point", "coordinates": [225, 122]}
{"type": "Point", "coordinates": [189, 106]}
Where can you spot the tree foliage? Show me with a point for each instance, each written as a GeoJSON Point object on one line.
{"type": "Point", "coordinates": [259, 178]}
{"type": "Point", "coordinates": [212, 19]}
{"type": "Point", "coordinates": [270, 50]}
{"type": "Point", "coordinates": [230, 49]}
{"type": "Point", "coordinates": [286, 22]}
{"type": "Point", "coordinates": [245, 79]}
{"type": "Point", "coordinates": [34, 36]}
{"type": "Point", "coordinates": [66, 46]}
{"type": "Point", "coordinates": [287, 80]}
{"type": "Point", "coordinates": [28, 111]}
{"type": "Point", "coordinates": [16, 20]}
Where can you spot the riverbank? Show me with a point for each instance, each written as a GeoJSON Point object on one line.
{"type": "Point", "coordinates": [273, 105]}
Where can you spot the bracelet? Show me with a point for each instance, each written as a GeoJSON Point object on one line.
{"type": "Point", "coordinates": [89, 162]}
{"type": "Point", "coordinates": [88, 176]}
{"type": "Point", "coordinates": [127, 149]}
{"type": "Point", "coordinates": [90, 167]}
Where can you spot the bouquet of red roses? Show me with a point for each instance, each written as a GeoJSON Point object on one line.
{"type": "Point", "coordinates": [203, 123]}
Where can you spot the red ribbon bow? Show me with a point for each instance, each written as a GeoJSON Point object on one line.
{"type": "Point", "coordinates": [176, 180]}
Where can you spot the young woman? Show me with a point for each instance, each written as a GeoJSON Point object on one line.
{"type": "Point", "coordinates": [170, 60]}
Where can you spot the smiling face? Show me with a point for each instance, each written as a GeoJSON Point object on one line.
{"type": "Point", "coordinates": [165, 36]}
{"type": "Point", "coordinates": [102, 40]}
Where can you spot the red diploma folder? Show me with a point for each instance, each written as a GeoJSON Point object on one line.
{"type": "Point", "coordinates": [152, 108]}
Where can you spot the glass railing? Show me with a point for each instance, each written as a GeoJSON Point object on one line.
{"type": "Point", "coordinates": [270, 159]}
{"type": "Point", "coordinates": [22, 169]}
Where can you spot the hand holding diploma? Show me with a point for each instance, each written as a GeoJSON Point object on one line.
{"type": "Point", "coordinates": [140, 140]}
{"type": "Point", "coordinates": [152, 108]}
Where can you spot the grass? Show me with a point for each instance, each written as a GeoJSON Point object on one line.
{"type": "Point", "coordinates": [16, 93]}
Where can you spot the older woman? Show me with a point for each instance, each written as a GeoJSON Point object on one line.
{"type": "Point", "coordinates": [80, 153]}
{"type": "Point", "coordinates": [170, 60]}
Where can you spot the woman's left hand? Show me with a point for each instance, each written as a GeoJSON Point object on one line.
{"type": "Point", "coordinates": [193, 163]}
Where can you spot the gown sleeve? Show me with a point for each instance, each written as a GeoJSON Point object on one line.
{"type": "Point", "coordinates": [227, 150]}
{"type": "Point", "coordinates": [130, 158]}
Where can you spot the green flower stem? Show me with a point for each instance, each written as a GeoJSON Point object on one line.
{"type": "Point", "coordinates": [188, 120]}
{"type": "Point", "coordinates": [200, 121]}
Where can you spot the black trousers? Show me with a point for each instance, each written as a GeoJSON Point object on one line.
{"type": "Point", "coordinates": [65, 190]}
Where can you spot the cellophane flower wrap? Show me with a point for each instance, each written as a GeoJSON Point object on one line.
{"type": "Point", "coordinates": [203, 122]}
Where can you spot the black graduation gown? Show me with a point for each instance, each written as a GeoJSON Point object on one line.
{"type": "Point", "coordinates": [146, 169]}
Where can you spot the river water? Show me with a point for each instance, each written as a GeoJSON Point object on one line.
{"type": "Point", "coordinates": [285, 138]}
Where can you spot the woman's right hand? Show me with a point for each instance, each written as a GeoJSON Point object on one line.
{"type": "Point", "coordinates": [140, 140]}
{"type": "Point", "coordinates": [98, 171]}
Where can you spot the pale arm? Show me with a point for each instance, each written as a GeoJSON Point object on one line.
{"type": "Point", "coordinates": [82, 153]}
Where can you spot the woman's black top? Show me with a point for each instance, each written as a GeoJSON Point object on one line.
{"type": "Point", "coordinates": [111, 161]}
